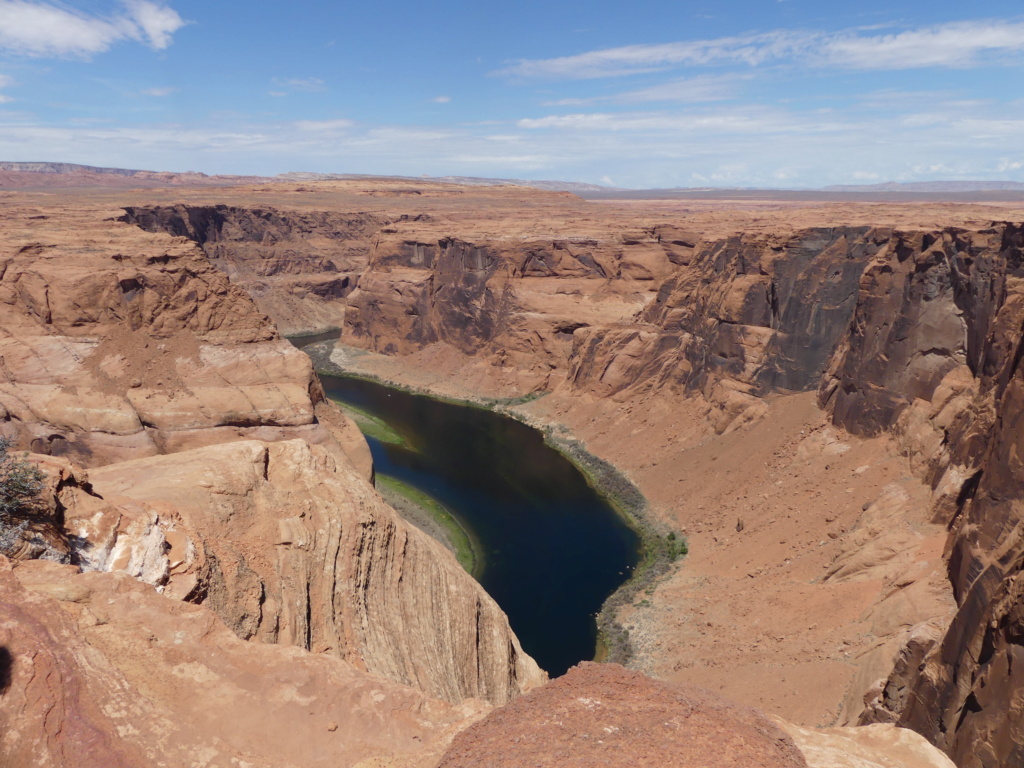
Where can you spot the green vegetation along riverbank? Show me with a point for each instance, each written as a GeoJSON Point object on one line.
{"type": "Point", "coordinates": [432, 517]}
{"type": "Point", "coordinates": [371, 426]}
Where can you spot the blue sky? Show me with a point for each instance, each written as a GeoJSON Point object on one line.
{"type": "Point", "coordinates": [770, 93]}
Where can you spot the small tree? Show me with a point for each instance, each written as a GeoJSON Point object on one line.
{"type": "Point", "coordinates": [20, 486]}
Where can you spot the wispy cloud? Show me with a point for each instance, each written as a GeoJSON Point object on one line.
{"type": "Point", "coordinates": [703, 88]}
{"type": "Point", "coordinates": [637, 59]}
{"type": "Point", "coordinates": [159, 92]}
{"type": "Point", "coordinates": [958, 44]}
{"type": "Point", "coordinates": [5, 82]}
{"type": "Point", "coordinates": [40, 29]}
{"type": "Point", "coordinates": [323, 126]}
{"type": "Point", "coordinates": [303, 84]}
{"type": "Point", "coordinates": [441, 99]}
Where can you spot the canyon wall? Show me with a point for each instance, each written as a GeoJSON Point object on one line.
{"type": "Point", "coordinates": [190, 449]}
{"type": "Point", "coordinates": [934, 356]}
{"type": "Point", "coordinates": [297, 267]}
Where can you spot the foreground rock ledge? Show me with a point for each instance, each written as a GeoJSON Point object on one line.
{"type": "Point", "coordinates": [604, 714]}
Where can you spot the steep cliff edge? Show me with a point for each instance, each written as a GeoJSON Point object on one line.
{"type": "Point", "coordinates": [215, 471]}
{"type": "Point", "coordinates": [287, 545]}
{"type": "Point", "coordinates": [673, 339]}
{"type": "Point", "coordinates": [297, 266]}
{"type": "Point", "coordinates": [100, 671]}
{"type": "Point", "coordinates": [933, 356]}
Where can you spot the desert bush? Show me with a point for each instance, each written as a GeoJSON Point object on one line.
{"type": "Point", "coordinates": [20, 486]}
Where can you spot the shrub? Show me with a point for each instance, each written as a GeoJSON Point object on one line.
{"type": "Point", "coordinates": [20, 486]}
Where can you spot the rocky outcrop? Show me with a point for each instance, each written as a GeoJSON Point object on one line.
{"type": "Point", "coordinates": [514, 303]}
{"type": "Point", "coordinates": [915, 334]}
{"type": "Point", "coordinates": [741, 317]}
{"type": "Point", "coordinates": [870, 746]}
{"type": "Point", "coordinates": [116, 344]}
{"type": "Point", "coordinates": [912, 332]}
{"type": "Point", "coordinates": [100, 671]}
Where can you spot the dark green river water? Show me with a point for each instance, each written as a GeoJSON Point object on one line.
{"type": "Point", "coordinates": [553, 549]}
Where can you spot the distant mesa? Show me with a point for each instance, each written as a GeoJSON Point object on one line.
{"type": "Point", "coordinates": [48, 175]}
{"type": "Point", "coordinates": [931, 186]}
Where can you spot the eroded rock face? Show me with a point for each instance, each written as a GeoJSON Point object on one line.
{"type": "Point", "coordinates": [288, 545]}
{"type": "Point", "coordinates": [117, 344]}
{"type": "Point", "coordinates": [227, 479]}
{"type": "Point", "coordinates": [100, 671]}
{"type": "Point", "coordinates": [870, 746]}
{"type": "Point", "coordinates": [515, 302]}
{"type": "Point", "coordinates": [933, 356]}
{"type": "Point", "coordinates": [743, 317]}
{"type": "Point", "coordinates": [912, 333]}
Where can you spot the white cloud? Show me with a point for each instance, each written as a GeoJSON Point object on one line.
{"type": "Point", "coordinates": [40, 29]}
{"type": "Point", "coordinates": [957, 44]}
{"type": "Point", "coordinates": [441, 99]}
{"type": "Point", "coordinates": [5, 82]}
{"type": "Point", "coordinates": [159, 92]}
{"type": "Point", "coordinates": [717, 144]}
{"type": "Point", "coordinates": [636, 59]}
{"type": "Point", "coordinates": [157, 22]}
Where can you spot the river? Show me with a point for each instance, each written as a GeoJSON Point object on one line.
{"type": "Point", "coordinates": [553, 549]}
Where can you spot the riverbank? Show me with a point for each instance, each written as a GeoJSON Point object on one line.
{"type": "Point", "coordinates": [660, 548]}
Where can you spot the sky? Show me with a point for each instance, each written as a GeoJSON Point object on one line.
{"type": "Point", "coordinates": [646, 94]}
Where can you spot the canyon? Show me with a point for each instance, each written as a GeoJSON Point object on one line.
{"type": "Point", "coordinates": [821, 397]}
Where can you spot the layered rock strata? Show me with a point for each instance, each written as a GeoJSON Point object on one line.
{"type": "Point", "coordinates": [288, 545]}
{"type": "Point", "coordinates": [297, 266]}
{"type": "Point", "coordinates": [215, 471]}
{"type": "Point", "coordinates": [911, 333]}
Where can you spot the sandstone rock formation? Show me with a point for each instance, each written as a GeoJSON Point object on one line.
{"type": "Point", "coordinates": [671, 337]}
{"type": "Point", "coordinates": [933, 357]}
{"type": "Point", "coordinates": [216, 471]}
{"type": "Point", "coordinates": [871, 746]}
{"type": "Point", "coordinates": [117, 344]}
{"type": "Point", "coordinates": [909, 332]}
{"type": "Point", "coordinates": [297, 267]}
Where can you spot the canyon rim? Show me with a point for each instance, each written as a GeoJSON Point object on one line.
{"type": "Point", "coordinates": [821, 397]}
